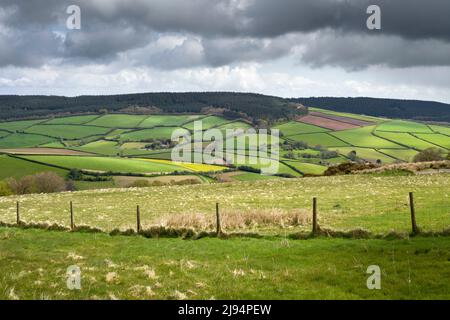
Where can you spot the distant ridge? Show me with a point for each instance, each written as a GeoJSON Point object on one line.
{"type": "Point", "coordinates": [251, 105]}
{"type": "Point", "coordinates": [390, 108]}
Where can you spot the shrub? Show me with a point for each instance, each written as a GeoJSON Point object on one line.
{"type": "Point", "coordinates": [430, 154]}
{"type": "Point", "coordinates": [5, 190]}
{"type": "Point", "coordinates": [24, 185]}
{"type": "Point", "coordinates": [49, 182]}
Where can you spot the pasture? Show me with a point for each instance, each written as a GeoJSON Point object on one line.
{"type": "Point", "coordinates": [294, 128]}
{"type": "Point", "coordinates": [17, 168]}
{"type": "Point", "coordinates": [118, 121]}
{"type": "Point", "coordinates": [319, 139]}
{"type": "Point", "coordinates": [406, 139]}
{"type": "Point", "coordinates": [363, 137]}
{"type": "Point", "coordinates": [20, 140]}
{"type": "Point", "coordinates": [215, 269]}
{"type": "Point", "coordinates": [104, 164]}
{"type": "Point", "coordinates": [69, 132]}
{"type": "Point", "coordinates": [275, 206]}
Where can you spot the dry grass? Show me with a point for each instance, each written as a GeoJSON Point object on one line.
{"type": "Point", "coordinates": [238, 219]}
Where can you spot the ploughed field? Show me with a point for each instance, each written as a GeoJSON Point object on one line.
{"type": "Point", "coordinates": [120, 143]}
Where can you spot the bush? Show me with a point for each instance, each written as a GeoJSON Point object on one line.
{"type": "Point", "coordinates": [5, 190]}
{"type": "Point", "coordinates": [45, 182]}
{"type": "Point", "coordinates": [49, 182]}
{"type": "Point", "coordinates": [430, 154]}
{"type": "Point", "coordinates": [24, 185]}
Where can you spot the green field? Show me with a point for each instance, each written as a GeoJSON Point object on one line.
{"type": "Point", "coordinates": [208, 123]}
{"type": "Point", "coordinates": [441, 129]}
{"type": "Point", "coordinates": [319, 139]}
{"type": "Point", "coordinates": [404, 126]}
{"type": "Point", "coordinates": [17, 168]}
{"type": "Point", "coordinates": [118, 121]}
{"type": "Point", "coordinates": [147, 134]}
{"type": "Point", "coordinates": [295, 128]}
{"type": "Point", "coordinates": [155, 121]}
{"type": "Point", "coordinates": [363, 137]}
{"type": "Point", "coordinates": [18, 125]}
{"type": "Point", "coordinates": [437, 139]}
{"type": "Point", "coordinates": [34, 264]}
{"type": "Point", "coordinates": [106, 164]}
{"type": "Point", "coordinates": [350, 115]}
{"type": "Point", "coordinates": [235, 125]}
{"type": "Point", "coordinates": [70, 132]}
{"type": "Point", "coordinates": [307, 168]}
{"type": "Point", "coordinates": [109, 148]}
{"type": "Point", "coordinates": [19, 140]}
{"type": "Point", "coordinates": [72, 120]}
{"type": "Point", "coordinates": [406, 139]}
{"type": "Point", "coordinates": [366, 153]}
{"type": "Point", "coordinates": [406, 155]}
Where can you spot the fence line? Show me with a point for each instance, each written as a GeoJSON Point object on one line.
{"type": "Point", "coordinates": [315, 230]}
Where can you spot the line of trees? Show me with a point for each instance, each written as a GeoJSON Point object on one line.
{"type": "Point", "coordinates": [254, 106]}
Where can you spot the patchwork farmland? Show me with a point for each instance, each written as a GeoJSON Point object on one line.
{"type": "Point", "coordinates": [120, 143]}
{"type": "Point", "coordinates": [130, 186]}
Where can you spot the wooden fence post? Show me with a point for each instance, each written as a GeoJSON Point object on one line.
{"type": "Point", "coordinates": [415, 229]}
{"type": "Point", "coordinates": [17, 213]}
{"type": "Point", "coordinates": [315, 227]}
{"type": "Point", "coordinates": [219, 228]}
{"type": "Point", "coordinates": [138, 219]}
{"type": "Point", "coordinates": [72, 224]}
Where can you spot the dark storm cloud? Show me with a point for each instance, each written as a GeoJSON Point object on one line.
{"type": "Point", "coordinates": [221, 32]}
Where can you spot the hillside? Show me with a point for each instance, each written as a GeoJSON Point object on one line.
{"type": "Point", "coordinates": [235, 105]}
{"type": "Point", "coordinates": [389, 108]}
{"type": "Point", "coordinates": [123, 145]}
{"type": "Point", "coordinates": [253, 106]}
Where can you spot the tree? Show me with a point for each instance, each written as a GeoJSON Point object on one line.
{"type": "Point", "coordinates": [430, 154]}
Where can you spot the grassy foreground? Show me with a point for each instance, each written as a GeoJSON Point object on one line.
{"type": "Point", "coordinates": [33, 265]}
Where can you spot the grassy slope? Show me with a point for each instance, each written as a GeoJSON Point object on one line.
{"type": "Point", "coordinates": [118, 121]}
{"type": "Point", "coordinates": [404, 126]}
{"type": "Point", "coordinates": [72, 120]}
{"type": "Point", "coordinates": [18, 140]}
{"type": "Point", "coordinates": [293, 128]}
{"type": "Point", "coordinates": [218, 269]}
{"type": "Point", "coordinates": [107, 164]}
{"type": "Point", "coordinates": [16, 168]}
{"type": "Point", "coordinates": [316, 139]}
{"type": "Point", "coordinates": [154, 121]}
{"type": "Point", "coordinates": [67, 131]}
{"type": "Point", "coordinates": [362, 137]}
{"type": "Point", "coordinates": [145, 134]}
{"type": "Point", "coordinates": [18, 125]}
{"type": "Point", "coordinates": [406, 139]}
{"type": "Point", "coordinates": [378, 204]}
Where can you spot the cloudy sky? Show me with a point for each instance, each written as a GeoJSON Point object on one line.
{"type": "Point", "coordinates": [288, 48]}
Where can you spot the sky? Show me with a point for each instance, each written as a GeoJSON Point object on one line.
{"type": "Point", "coordinates": [288, 48]}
